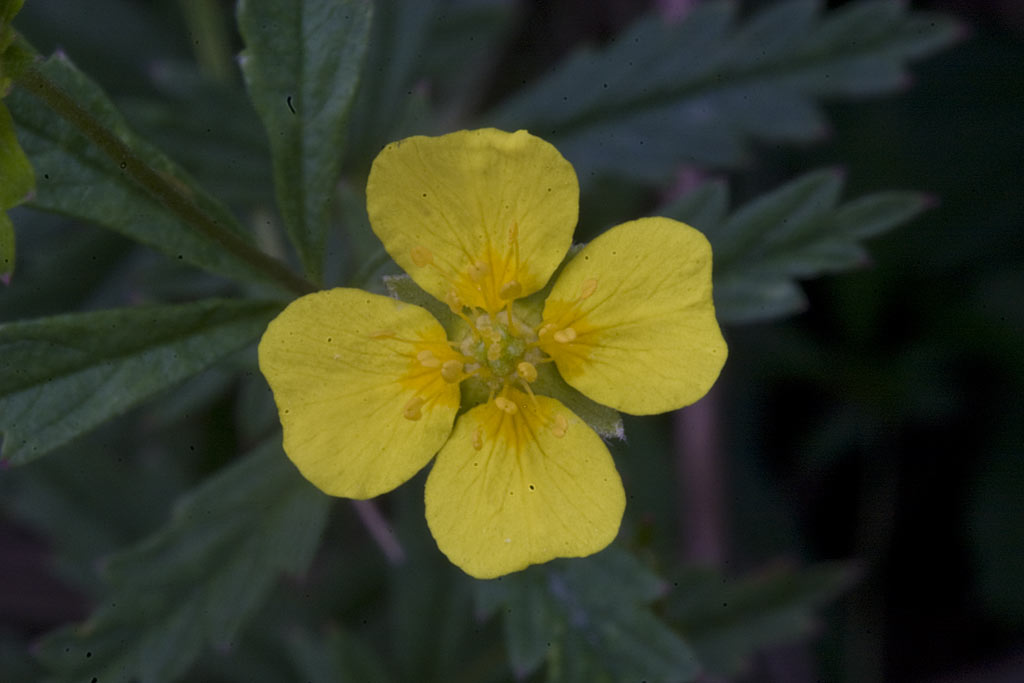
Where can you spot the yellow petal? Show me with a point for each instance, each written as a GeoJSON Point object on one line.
{"type": "Point", "coordinates": [630, 321]}
{"type": "Point", "coordinates": [485, 213]}
{"type": "Point", "coordinates": [521, 485]}
{"type": "Point", "coordinates": [348, 373]}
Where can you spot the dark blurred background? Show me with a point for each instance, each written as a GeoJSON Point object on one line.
{"type": "Point", "coordinates": [884, 424]}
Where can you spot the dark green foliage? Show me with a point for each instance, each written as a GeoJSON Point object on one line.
{"type": "Point", "coordinates": [194, 583]}
{"type": "Point", "coordinates": [303, 96]}
{"type": "Point", "coordinates": [797, 232]}
{"type": "Point", "coordinates": [65, 375]}
{"type": "Point", "coordinates": [590, 620]}
{"type": "Point", "coordinates": [699, 90]}
{"type": "Point", "coordinates": [124, 394]}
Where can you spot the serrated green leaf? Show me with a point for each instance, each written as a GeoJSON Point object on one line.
{"type": "Point", "coordinates": [193, 583]}
{"type": "Point", "coordinates": [16, 176]}
{"type": "Point", "coordinates": [796, 231]}
{"type": "Point", "coordinates": [590, 619]}
{"type": "Point", "coordinates": [697, 91]}
{"type": "Point", "coordinates": [775, 216]}
{"type": "Point", "coordinates": [727, 622]}
{"type": "Point", "coordinates": [301, 63]}
{"type": "Point", "coordinates": [64, 375]}
{"type": "Point", "coordinates": [77, 179]}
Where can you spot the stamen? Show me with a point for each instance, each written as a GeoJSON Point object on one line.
{"type": "Point", "coordinates": [545, 329]}
{"type": "Point", "coordinates": [494, 351]}
{"type": "Point", "coordinates": [478, 438]}
{"type": "Point", "coordinates": [483, 322]}
{"type": "Point", "coordinates": [454, 302]}
{"type": "Point", "coordinates": [559, 426]}
{"type": "Point", "coordinates": [527, 371]}
{"type": "Point", "coordinates": [422, 256]}
{"type": "Point", "coordinates": [565, 336]}
{"type": "Point", "coordinates": [427, 359]}
{"type": "Point", "coordinates": [510, 290]}
{"type": "Point", "coordinates": [506, 406]}
{"type": "Point", "coordinates": [451, 371]}
{"type": "Point", "coordinates": [589, 287]}
{"type": "Point", "coordinates": [412, 410]}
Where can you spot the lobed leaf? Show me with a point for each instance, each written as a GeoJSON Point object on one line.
{"type": "Point", "coordinates": [797, 231]}
{"type": "Point", "coordinates": [727, 622]}
{"type": "Point", "coordinates": [590, 620]}
{"type": "Point", "coordinates": [193, 583]}
{"type": "Point", "coordinates": [301, 63]}
{"type": "Point", "coordinates": [77, 179]}
{"type": "Point", "coordinates": [64, 375]}
{"type": "Point", "coordinates": [698, 91]}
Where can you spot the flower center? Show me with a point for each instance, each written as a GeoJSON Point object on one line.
{"type": "Point", "coordinates": [500, 349]}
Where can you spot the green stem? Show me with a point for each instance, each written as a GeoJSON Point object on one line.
{"type": "Point", "coordinates": [165, 192]}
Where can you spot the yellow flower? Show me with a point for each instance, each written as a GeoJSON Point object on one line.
{"type": "Point", "coordinates": [369, 388]}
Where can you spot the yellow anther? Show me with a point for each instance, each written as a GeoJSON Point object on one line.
{"type": "Point", "coordinates": [422, 256]}
{"type": "Point", "coordinates": [510, 290]}
{"type": "Point", "coordinates": [451, 371]}
{"type": "Point", "coordinates": [412, 410]}
{"type": "Point", "coordinates": [453, 301]}
{"type": "Point", "coordinates": [478, 438]}
{"type": "Point", "coordinates": [506, 406]}
{"type": "Point", "coordinates": [546, 329]}
{"type": "Point", "coordinates": [494, 351]}
{"type": "Point", "coordinates": [565, 336]}
{"type": "Point", "coordinates": [589, 287]}
{"type": "Point", "coordinates": [427, 359]}
{"type": "Point", "coordinates": [559, 426]}
{"type": "Point", "coordinates": [478, 271]}
{"type": "Point", "coordinates": [527, 371]}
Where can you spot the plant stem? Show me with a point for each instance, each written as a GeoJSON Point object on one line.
{"type": "Point", "coordinates": [167, 193]}
{"type": "Point", "coordinates": [699, 469]}
{"type": "Point", "coordinates": [378, 527]}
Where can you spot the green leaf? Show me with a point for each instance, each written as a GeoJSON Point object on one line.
{"type": "Point", "coordinates": [590, 619]}
{"type": "Point", "coordinates": [64, 375]}
{"type": "Point", "coordinates": [698, 91]}
{"type": "Point", "coordinates": [78, 179]}
{"type": "Point", "coordinates": [16, 177]}
{"type": "Point", "coordinates": [727, 622]}
{"type": "Point", "coordinates": [7, 248]}
{"type": "Point", "coordinates": [302, 62]}
{"type": "Point", "coordinates": [335, 656]}
{"type": "Point", "coordinates": [193, 583]}
{"type": "Point", "coordinates": [797, 231]}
